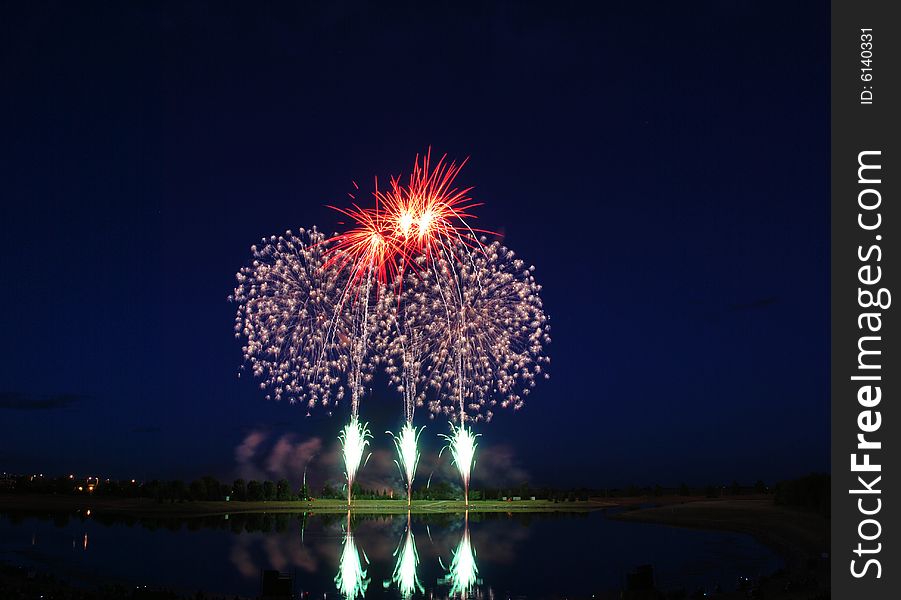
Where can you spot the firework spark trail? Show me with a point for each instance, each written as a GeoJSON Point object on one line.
{"type": "Point", "coordinates": [307, 327]}
{"type": "Point", "coordinates": [359, 354]}
{"type": "Point", "coordinates": [404, 347]}
{"type": "Point", "coordinates": [354, 440]}
{"type": "Point", "coordinates": [406, 562]}
{"type": "Point", "coordinates": [365, 323]}
{"type": "Point", "coordinates": [351, 579]}
{"type": "Point", "coordinates": [486, 342]}
{"type": "Point", "coordinates": [407, 455]}
{"type": "Point", "coordinates": [425, 216]}
{"type": "Point", "coordinates": [462, 445]}
{"type": "Point", "coordinates": [428, 213]}
{"type": "Point", "coordinates": [463, 574]}
{"type": "Point", "coordinates": [290, 316]}
{"type": "Point", "coordinates": [367, 256]}
{"type": "Point", "coordinates": [484, 328]}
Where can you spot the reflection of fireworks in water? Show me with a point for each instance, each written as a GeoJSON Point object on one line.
{"type": "Point", "coordinates": [462, 445]}
{"type": "Point", "coordinates": [407, 454]}
{"type": "Point", "coordinates": [463, 574]}
{"type": "Point", "coordinates": [354, 440]}
{"type": "Point", "coordinates": [351, 579]}
{"type": "Point", "coordinates": [407, 559]}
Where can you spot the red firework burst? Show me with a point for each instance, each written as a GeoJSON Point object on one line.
{"type": "Point", "coordinates": [368, 249]}
{"type": "Point", "coordinates": [420, 218]}
{"type": "Point", "coordinates": [428, 213]}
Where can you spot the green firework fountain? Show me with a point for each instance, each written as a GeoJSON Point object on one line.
{"type": "Point", "coordinates": [462, 445]}
{"type": "Point", "coordinates": [407, 444]}
{"type": "Point", "coordinates": [354, 440]}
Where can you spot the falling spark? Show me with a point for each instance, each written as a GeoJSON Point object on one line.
{"type": "Point", "coordinates": [462, 445]}
{"type": "Point", "coordinates": [407, 454]}
{"type": "Point", "coordinates": [292, 319]}
{"type": "Point", "coordinates": [366, 249]}
{"type": "Point", "coordinates": [463, 573]}
{"type": "Point", "coordinates": [354, 440]}
{"type": "Point", "coordinates": [351, 579]}
{"type": "Point", "coordinates": [406, 562]}
{"type": "Point", "coordinates": [480, 342]}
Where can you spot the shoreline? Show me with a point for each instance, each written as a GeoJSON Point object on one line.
{"type": "Point", "coordinates": [800, 538]}
{"type": "Point", "coordinates": [147, 507]}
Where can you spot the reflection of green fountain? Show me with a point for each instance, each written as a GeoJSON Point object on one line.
{"type": "Point", "coordinates": [407, 454]}
{"type": "Point", "coordinates": [463, 573]}
{"type": "Point", "coordinates": [406, 561]}
{"type": "Point", "coordinates": [351, 579]}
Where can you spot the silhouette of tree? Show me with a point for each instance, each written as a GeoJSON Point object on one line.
{"type": "Point", "coordinates": [268, 490]}
{"type": "Point", "coordinates": [254, 490]}
{"type": "Point", "coordinates": [283, 490]}
{"type": "Point", "coordinates": [239, 489]}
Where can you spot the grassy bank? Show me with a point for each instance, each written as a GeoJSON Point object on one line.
{"type": "Point", "coordinates": [141, 506]}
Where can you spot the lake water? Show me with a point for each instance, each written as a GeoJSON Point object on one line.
{"type": "Point", "coordinates": [435, 556]}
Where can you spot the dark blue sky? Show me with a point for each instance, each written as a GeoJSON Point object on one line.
{"type": "Point", "coordinates": [663, 168]}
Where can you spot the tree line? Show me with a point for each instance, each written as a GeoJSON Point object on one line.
{"type": "Point", "coordinates": [209, 488]}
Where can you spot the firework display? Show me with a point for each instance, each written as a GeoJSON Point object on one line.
{"type": "Point", "coordinates": [405, 565]}
{"type": "Point", "coordinates": [456, 320]}
{"type": "Point", "coordinates": [351, 579]}
{"type": "Point", "coordinates": [462, 445]}
{"type": "Point", "coordinates": [463, 574]}
{"type": "Point", "coordinates": [407, 446]}
{"type": "Point", "coordinates": [354, 440]}
{"type": "Point", "coordinates": [486, 330]}
{"type": "Point", "coordinates": [290, 314]}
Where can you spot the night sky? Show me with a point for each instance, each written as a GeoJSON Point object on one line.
{"type": "Point", "coordinates": [664, 169]}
